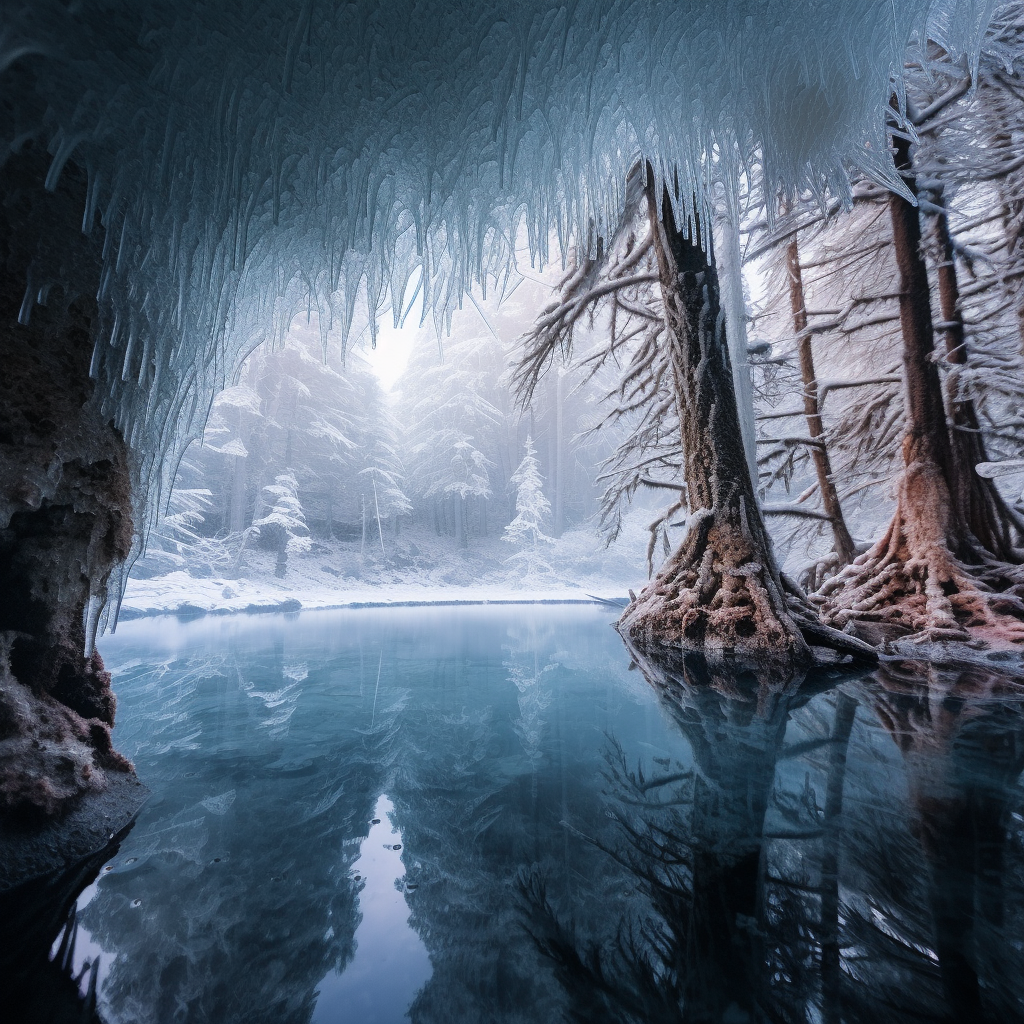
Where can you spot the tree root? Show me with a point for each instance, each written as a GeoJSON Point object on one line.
{"type": "Point", "coordinates": [716, 596]}
{"type": "Point", "coordinates": [911, 586]}
{"type": "Point", "coordinates": [814, 575]}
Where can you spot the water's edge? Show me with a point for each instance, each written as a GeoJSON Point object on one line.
{"type": "Point", "coordinates": [291, 605]}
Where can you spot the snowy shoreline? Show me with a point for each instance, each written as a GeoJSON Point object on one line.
{"type": "Point", "coordinates": [429, 572]}
{"type": "Point", "coordinates": [132, 612]}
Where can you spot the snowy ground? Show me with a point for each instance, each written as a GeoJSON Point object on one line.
{"type": "Point", "coordinates": [419, 569]}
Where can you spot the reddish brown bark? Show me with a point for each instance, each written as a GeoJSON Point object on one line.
{"type": "Point", "coordinates": [843, 545]}
{"type": "Point", "coordinates": [927, 576]}
{"type": "Point", "coordinates": [989, 520]}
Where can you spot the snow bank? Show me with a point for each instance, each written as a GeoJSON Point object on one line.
{"type": "Point", "coordinates": [421, 569]}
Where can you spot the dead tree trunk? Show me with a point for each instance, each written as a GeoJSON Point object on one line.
{"type": "Point", "coordinates": [926, 577]}
{"type": "Point", "coordinates": [721, 591]}
{"type": "Point", "coordinates": [843, 545]}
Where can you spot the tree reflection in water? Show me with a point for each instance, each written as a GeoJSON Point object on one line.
{"type": "Point", "coordinates": [953, 921]}
{"type": "Point", "coordinates": [833, 849]}
{"type": "Point", "coordinates": [787, 877]}
{"type": "Point", "coordinates": [41, 979]}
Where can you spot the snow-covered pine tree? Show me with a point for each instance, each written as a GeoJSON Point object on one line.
{"type": "Point", "coordinates": [285, 521]}
{"type": "Point", "coordinates": [178, 541]}
{"type": "Point", "coordinates": [454, 429]}
{"type": "Point", "coordinates": [382, 483]}
{"type": "Point", "coordinates": [533, 510]}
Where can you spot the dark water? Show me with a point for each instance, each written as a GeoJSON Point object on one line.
{"type": "Point", "coordinates": [556, 838]}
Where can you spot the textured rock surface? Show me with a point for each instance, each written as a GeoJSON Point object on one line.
{"type": "Point", "coordinates": [33, 850]}
{"type": "Point", "coordinates": [65, 500]}
{"type": "Point", "coordinates": [40, 985]}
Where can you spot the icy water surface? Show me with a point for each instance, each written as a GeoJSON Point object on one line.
{"type": "Point", "coordinates": [462, 815]}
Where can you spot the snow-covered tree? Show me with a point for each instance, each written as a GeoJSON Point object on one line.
{"type": "Point", "coordinates": [295, 407]}
{"type": "Point", "coordinates": [382, 496]}
{"type": "Point", "coordinates": [453, 426]}
{"type": "Point", "coordinates": [927, 374]}
{"type": "Point", "coordinates": [178, 541]}
{"type": "Point", "coordinates": [285, 522]}
{"type": "Point", "coordinates": [721, 588]}
{"type": "Point", "coordinates": [533, 512]}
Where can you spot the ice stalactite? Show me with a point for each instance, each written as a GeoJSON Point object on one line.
{"type": "Point", "coordinates": [245, 164]}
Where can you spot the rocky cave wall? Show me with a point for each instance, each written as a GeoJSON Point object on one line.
{"type": "Point", "coordinates": [65, 496]}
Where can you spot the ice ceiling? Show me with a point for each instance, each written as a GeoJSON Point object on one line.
{"type": "Point", "coordinates": [248, 159]}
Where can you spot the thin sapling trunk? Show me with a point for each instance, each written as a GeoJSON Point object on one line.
{"type": "Point", "coordinates": [843, 545]}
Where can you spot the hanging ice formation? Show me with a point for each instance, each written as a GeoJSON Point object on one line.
{"type": "Point", "coordinates": [249, 159]}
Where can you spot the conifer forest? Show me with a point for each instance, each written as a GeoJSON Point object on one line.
{"type": "Point", "coordinates": [512, 511]}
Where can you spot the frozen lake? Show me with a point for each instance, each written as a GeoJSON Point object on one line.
{"type": "Point", "coordinates": [481, 814]}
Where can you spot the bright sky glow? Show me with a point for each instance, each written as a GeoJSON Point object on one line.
{"type": "Point", "coordinates": [391, 963]}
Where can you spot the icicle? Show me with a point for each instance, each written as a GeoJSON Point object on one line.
{"type": "Point", "coordinates": [94, 363]}
{"type": "Point", "coordinates": [25, 313]}
{"type": "Point", "coordinates": [91, 621]}
{"type": "Point", "coordinates": [126, 368]}
{"type": "Point", "coordinates": [735, 308]}
{"type": "Point", "coordinates": [91, 198]}
{"type": "Point", "coordinates": [60, 158]}
{"type": "Point", "coordinates": [105, 278]}
{"type": "Point", "coordinates": [339, 163]}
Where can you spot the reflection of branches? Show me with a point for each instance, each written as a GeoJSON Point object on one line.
{"type": "Point", "coordinates": [961, 733]}
{"type": "Point", "coordinates": [692, 841]}
{"type": "Point", "coordinates": [625, 982]}
{"type": "Point", "coordinates": [790, 902]}
{"type": "Point", "coordinates": [35, 986]}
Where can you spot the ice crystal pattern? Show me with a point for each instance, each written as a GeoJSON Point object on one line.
{"type": "Point", "coordinates": [246, 160]}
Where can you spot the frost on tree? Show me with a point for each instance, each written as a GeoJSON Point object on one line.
{"type": "Point", "coordinates": [533, 512]}
{"type": "Point", "coordinates": [284, 523]}
{"type": "Point", "coordinates": [948, 566]}
{"type": "Point", "coordinates": [720, 590]}
{"type": "Point", "coordinates": [315, 156]}
{"type": "Point", "coordinates": [231, 166]}
{"type": "Point", "coordinates": [451, 424]}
